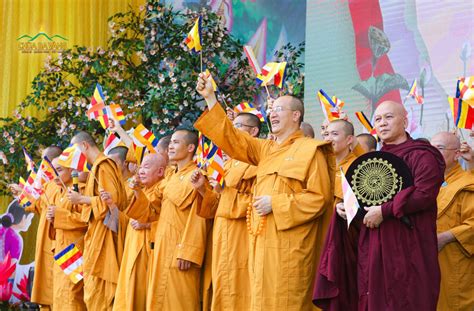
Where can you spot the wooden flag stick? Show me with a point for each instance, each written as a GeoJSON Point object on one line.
{"type": "Point", "coordinates": [97, 181]}
{"type": "Point", "coordinates": [201, 59]}
{"type": "Point", "coordinates": [268, 92]}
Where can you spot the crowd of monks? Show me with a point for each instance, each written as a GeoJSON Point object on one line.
{"type": "Point", "coordinates": [274, 236]}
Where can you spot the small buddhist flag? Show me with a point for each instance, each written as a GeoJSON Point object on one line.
{"type": "Point", "coordinates": [73, 158]}
{"type": "Point", "coordinates": [30, 164]}
{"type": "Point", "coordinates": [143, 137]}
{"type": "Point", "coordinates": [253, 62]}
{"type": "Point", "coordinates": [116, 113]}
{"type": "Point", "coordinates": [366, 123]}
{"type": "Point", "coordinates": [46, 170]}
{"type": "Point", "coordinates": [111, 142]}
{"type": "Point", "coordinates": [70, 261]}
{"type": "Point", "coordinates": [139, 153]}
{"type": "Point", "coordinates": [249, 108]}
{"type": "Point", "coordinates": [331, 110]}
{"type": "Point", "coordinates": [97, 109]}
{"type": "Point", "coordinates": [351, 205]}
{"type": "Point", "coordinates": [465, 88]}
{"type": "Point", "coordinates": [272, 74]}
{"type": "Point", "coordinates": [193, 40]}
{"type": "Point", "coordinates": [414, 93]}
{"type": "Point", "coordinates": [463, 113]}
{"type": "Point", "coordinates": [215, 167]}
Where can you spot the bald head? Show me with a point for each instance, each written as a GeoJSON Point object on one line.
{"type": "Point", "coordinates": [448, 144]}
{"type": "Point", "coordinates": [390, 105]}
{"type": "Point", "coordinates": [449, 140]}
{"type": "Point", "coordinates": [307, 129]}
{"type": "Point", "coordinates": [51, 152]}
{"type": "Point", "coordinates": [248, 122]}
{"type": "Point", "coordinates": [346, 127]}
{"type": "Point", "coordinates": [296, 104]}
{"type": "Point", "coordinates": [164, 143]}
{"type": "Point", "coordinates": [152, 169]}
{"type": "Point", "coordinates": [390, 121]}
{"type": "Point", "coordinates": [83, 137]}
{"type": "Point", "coordinates": [119, 153]}
{"type": "Point", "coordinates": [367, 141]}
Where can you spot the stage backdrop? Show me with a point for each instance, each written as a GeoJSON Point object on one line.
{"type": "Point", "coordinates": [32, 30]}
{"type": "Point", "coordinates": [431, 36]}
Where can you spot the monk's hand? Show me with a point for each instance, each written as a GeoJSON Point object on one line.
{"type": "Point", "coordinates": [205, 89]}
{"type": "Point", "coordinates": [263, 205]}
{"type": "Point", "coordinates": [15, 189]}
{"type": "Point", "coordinates": [134, 183]}
{"type": "Point", "coordinates": [184, 265]}
{"type": "Point", "coordinates": [50, 212]}
{"type": "Point", "coordinates": [138, 225]}
{"type": "Point", "coordinates": [374, 217]}
{"type": "Point", "coordinates": [215, 185]}
{"type": "Point", "coordinates": [106, 197]}
{"type": "Point", "coordinates": [198, 181]}
{"type": "Point", "coordinates": [445, 238]}
{"type": "Point", "coordinates": [341, 211]}
{"type": "Point", "coordinates": [74, 197]}
{"type": "Point", "coordinates": [466, 152]}
{"type": "Point", "coordinates": [231, 114]}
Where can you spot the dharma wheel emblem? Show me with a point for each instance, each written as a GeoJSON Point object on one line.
{"type": "Point", "coordinates": [375, 181]}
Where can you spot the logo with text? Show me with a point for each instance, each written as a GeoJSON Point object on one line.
{"type": "Point", "coordinates": [41, 43]}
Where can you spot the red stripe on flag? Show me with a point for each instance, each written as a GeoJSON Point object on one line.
{"type": "Point", "coordinates": [71, 260]}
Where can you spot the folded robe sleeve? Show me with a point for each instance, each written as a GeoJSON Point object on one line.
{"type": "Point", "coordinates": [420, 196]}
{"type": "Point", "coordinates": [68, 220]}
{"type": "Point", "coordinates": [193, 242]}
{"type": "Point", "coordinates": [109, 182]}
{"type": "Point", "coordinates": [291, 210]}
{"type": "Point", "coordinates": [464, 233]}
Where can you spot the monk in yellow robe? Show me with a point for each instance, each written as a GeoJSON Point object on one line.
{"type": "Point", "coordinates": [294, 187]}
{"type": "Point", "coordinates": [42, 290]}
{"type": "Point", "coordinates": [341, 135]}
{"type": "Point", "coordinates": [119, 155]}
{"type": "Point", "coordinates": [180, 238]}
{"type": "Point", "coordinates": [228, 207]}
{"type": "Point", "coordinates": [455, 227]}
{"type": "Point", "coordinates": [69, 228]}
{"type": "Point", "coordinates": [102, 255]}
{"type": "Point", "coordinates": [131, 287]}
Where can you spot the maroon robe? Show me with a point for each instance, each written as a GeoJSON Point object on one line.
{"type": "Point", "coordinates": [397, 267]}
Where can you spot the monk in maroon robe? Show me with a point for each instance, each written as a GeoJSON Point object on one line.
{"type": "Point", "coordinates": [397, 266]}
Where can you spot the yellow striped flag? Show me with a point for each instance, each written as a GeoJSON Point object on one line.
{"type": "Point", "coordinates": [70, 261]}
{"type": "Point", "coordinates": [272, 73]}
{"type": "Point", "coordinates": [463, 113]}
{"type": "Point", "coordinates": [193, 40]}
{"type": "Point", "coordinates": [73, 157]}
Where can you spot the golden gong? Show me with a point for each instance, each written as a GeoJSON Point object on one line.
{"type": "Point", "coordinates": [375, 181]}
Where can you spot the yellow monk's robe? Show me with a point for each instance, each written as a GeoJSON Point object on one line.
{"type": "Point", "coordinates": [132, 280]}
{"type": "Point", "coordinates": [298, 174]}
{"type": "Point", "coordinates": [456, 259]}
{"type": "Point", "coordinates": [230, 250]}
{"type": "Point", "coordinates": [42, 291]}
{"type": "Point", "coordinates": [180, 233]}
{"type": "Point", "coordinates": [344, 165]}
{"type": "Point", "coordinates": [69, 229]}
{"type": "Point", "coordinates": [102, 255]}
